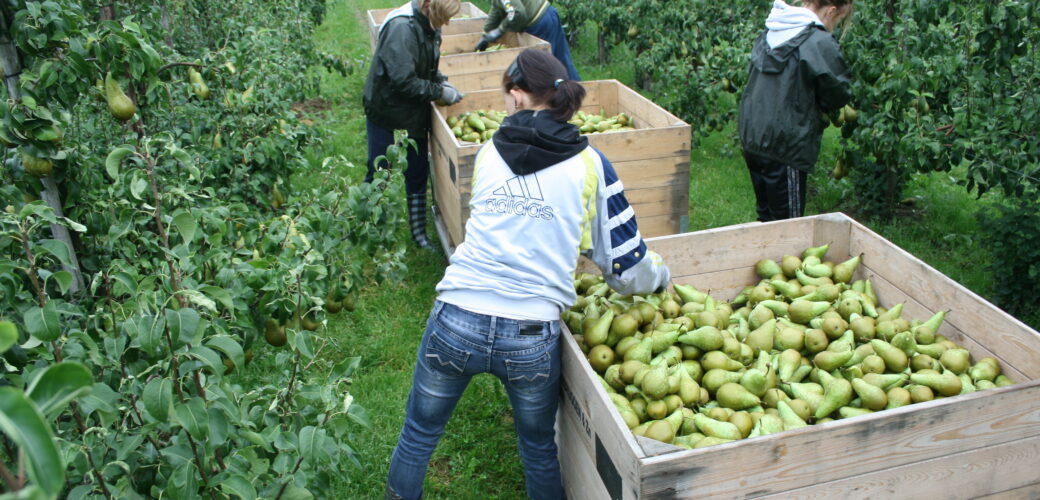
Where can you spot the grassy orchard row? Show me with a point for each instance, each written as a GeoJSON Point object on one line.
{"type": "Point", "coordinates": [168, 172]}
{"type": "Point", "coordinates": [805, 345]}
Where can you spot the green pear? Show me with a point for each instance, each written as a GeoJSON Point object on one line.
{"type": "Point", "coordinates": [923, 362]}
{"type": "Point", "coordinates": [810, 392]}
{"type": "Point", "coordinates": [787, 363]}
{"type": "Point", "coordinates": [629, 369]}
{"type": "Point", "coordinates": [837, 393]}
{"type": "Point", "coordinates": [920, 393]}
{"type": "Point", "coordinates": [759, 316]}
{"type": "Point", "coordinates": [956, 360]}
{"type": "Point", "coordinates": [863, 328]}
{"type": "Point", "coordinates": [121, 106]}
{"type": "Point", "coordinates": [818, 252]}
{"type": "Point", "coordinates": [600, 329]}
{"type": "Point", "coordinates": [787, 289]}
{"type": "Point", "coordinates": [767, 424]}
{"type": "Point", "coordinates": [789, 417]}
{"type": "Point", "coordinates": [934, 350]}
{"type": "Point", "coordinates": [894, 312]}
{"type": "Point", "coordinates": [905, 341]}
{"type": "Point", "coordinates": [872, 364]}
{"type": "Point", "coordinates": [843, 272]}
{"type": "Point", "coordinates": [789, 338]}
{"type": "Point", "coordinates": [815, 340]}
{"type": "Point", "coordinates": [689, 389]}
{"type": "Point", "coordinates": [715, 428]}
{"type": "Point", "coordinates": [1003, 380]}
{"type": "Point", "coordinates": [735, 396]}
{"type": "Point", "coordinates": [662, 339]}
{"type": "Point", "coordinates": [755, 381]}
{"type": "Point", "coordinates": [788, 265]}
{"type": "Point", "coordinates": [655, 383]}
{"type": "Point", "coordinates": [897, 396]}
{"type": "Point", "coordinates": [987, 368]}
{"type": "Point", "coordinates": [831, 360]}
{"type": "Point", "coordinates": [689, 293]}
{"type": "Point", "coordinates": [706, 338]}
{"type": "Point", "coordinates": [641, 352]}
{"type": "Point", "coordinates": [803, 310]}
{"type": "Point", "coordinates": [767, 268]}
{"type": "Point", "coordinates": [886, 381]}
{"type": "Point", "coordinates": [895, 359]}
{"type": "Point", "coordinates": [946, 383]}
{"type": "Point", "coordinates": [849, 411]}
{"type": "Point", "coordinates": [714, 378]}
{"type": "Point", "coordinates": [872, 396]}
{"type": "Point", "coordinates": [661, 431]}
{"type": "Point", "coordinates": [773, 396]}
{"type": "Point", "coordinates": [719, 359]}
{"type": "Point", "coordinates": [743, 421]}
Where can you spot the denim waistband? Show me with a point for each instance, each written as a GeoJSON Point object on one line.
{"type": "Point", "coordinates": [457, 317]}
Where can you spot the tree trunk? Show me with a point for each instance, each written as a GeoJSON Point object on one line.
{"type": "Point", "coordinates": [108, 12]}
{"type": "Point", "coordinates": [602, 50]}
{"type": "Point", "coordinates": [164, 20]}
{"type": "Point", "coordinates": [12, 68]}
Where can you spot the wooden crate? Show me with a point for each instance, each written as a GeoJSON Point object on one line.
{"type": "Point", "coordinates": [967, 446]}
{"type": "Point", "coordinates": [470, 71]}
{"type": "Point", "coordinates": [652, 161]}
{"type": "Point", "coordinates": [470, 19]}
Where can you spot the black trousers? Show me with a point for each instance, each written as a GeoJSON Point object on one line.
{"type": "Point", "coordinates": [418, 172]}
{"type": "Point", "coordinates": [779, 188]}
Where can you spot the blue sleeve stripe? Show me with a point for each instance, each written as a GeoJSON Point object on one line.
{"type": "Point", "coordinates": [627, 246]}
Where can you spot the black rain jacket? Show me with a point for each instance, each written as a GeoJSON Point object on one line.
{"type": "Point", "coordinates": [788, 88]}
{"type": "Point", "coordinates": [403, 77]}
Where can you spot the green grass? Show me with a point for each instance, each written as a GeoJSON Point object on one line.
{"type": "Point", "coordinates": [477, 458]}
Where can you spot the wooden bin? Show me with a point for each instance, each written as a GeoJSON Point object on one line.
{"type": "Point", "coordinates": [470, 19]}
{"type": "Point", "coordinates": [652, 161]}
{"type": "Point", "coordinates": [967, 446]}
{"type": "Point", "coordinates": [469, 71]}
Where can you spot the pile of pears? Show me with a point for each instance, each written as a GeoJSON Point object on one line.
{"type": "Point", "coordinates": [806, 344]}
{"type": "Point", "coordinates": [592, 123]}
{"type": "Point", "coordinates": [477, 125]}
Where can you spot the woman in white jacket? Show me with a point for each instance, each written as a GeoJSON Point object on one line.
{"type": "Point", "coordinates": [540, 197]}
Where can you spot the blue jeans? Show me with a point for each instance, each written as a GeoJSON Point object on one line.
{"type": "Point", "coordinates": [550, 29]}
{"type": "Point", "coordinates": [457, 344]}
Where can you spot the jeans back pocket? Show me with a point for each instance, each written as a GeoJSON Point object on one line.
{"type": "Point", "coordinates": [529, 375]}
{"type": "Point", "coordinates": [443, 357]}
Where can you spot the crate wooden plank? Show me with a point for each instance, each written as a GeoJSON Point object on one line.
{"type": "Point", "coordinates": [975, 342]}
{"type": "Point", "coordinates": [795, 459]}
{"type": "Point", "coordinates": [968, 311]}
{"type": "Point", "coordinates": [968, 474]}
{"type": "Point", "coordinates": [644, 109]}
{"type": "Point", "coordinates": [833, 230]}
{"type": "Point", "coordinates": [732, 247]}
{"type": "Point", "coordinates": [655, 172]}
{"type": "Point", "coordinates": [1028, 492]}
{"type": "Point", "coordinates": [601, 430]}
{"type": "Point", "coordinates": [643, 143]}
{"type": "Point", "coordinates": [575, 459]}
{"type": "Point", "coordinates": [464, 68]}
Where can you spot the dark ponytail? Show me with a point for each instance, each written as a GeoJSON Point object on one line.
{"type": "Point", "coordinates": [540, 74]}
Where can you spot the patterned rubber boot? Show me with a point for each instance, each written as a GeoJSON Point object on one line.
{"type": "Point", "coordinates": [417, 219]}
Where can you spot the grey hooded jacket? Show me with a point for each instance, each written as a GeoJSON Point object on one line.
{"type": "Point", "coordinates": [788, 88]}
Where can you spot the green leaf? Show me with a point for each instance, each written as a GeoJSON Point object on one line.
{"type": "Point", "coordinates": [58, 249]}
{"type": "Point", "coordinates": [229, 346]}
{"type": "Point", "coordinates": [312, 444]}
{"type": "Point", "coordinates": [101, 399]}
{"type": "Point", "coordinates": [138, 186]}
{"type": "Point", "coordinates": [158, 398]}
{"type": "Point", "coordinates": [344, 368]}
{"type": "Point", "coordinates": [293, 492]}
{"type": "Point", "coordinates": [209, 357]}
{"type": "Point", "coordinates": [57, 385]}
{"type": "Point", "coordinates": [114, 159]}
{"type": "Point", "coordinates": [64, 279]}
{"type": "Point", "coordinates": [196, 297]}
{"type": "Point", "coordinates": [239, 486]}
{"type": "Point", "coordinates": [192, 416]}
{"type": "Point", "coordinates": [186, 226]}
{"type": "Point", "coordinates": [256, 439]}
{"type": "Point", "coordinates": [42, 322]}
{"type": "Point", "coordinates": [8, 335]}
{"type": "Point", "coordinates": [221, 295]}
{"type": "Point", "coordinates": [23, 423]}
{"type": "Point", "coordinates": [182, 324]}
{"type": "Point", "coordinates": [127, 281]}
{"type": "Point", "coordinates": [40, 209]}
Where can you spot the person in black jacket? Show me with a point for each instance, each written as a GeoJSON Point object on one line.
{"type": "Point", "coordinates": [796, 73]}
{"type": "Point", "coordinates": [402, 81]}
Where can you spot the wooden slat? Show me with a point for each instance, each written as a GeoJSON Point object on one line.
{"type": "Point", "coordinates": [889, 295]}
{"type": "Point", "coordinates": [835, 230]}
{"type": "Point", "coordinates": [644, 109]}
{"type": "Point", "coordinates": [661, 225]}
{"type": "Point", "coordinates": [580, 479]}
{"type": "Point", "coordinates": [732, 247]}
{"type": "Point", "coordinates": [650, 173]}
{"type": "Point", "coordinates": [642, 143]}
{"type": "Point", "coordinates": [845, 448]}
{"type": "Point", "coordinates": [460, 58]}
{"type": "Point", "coordinates": [968, 312]}
{"type": "Point", "coordinates": [1028, 492]}
{"type": "Point", "coordinates": [968, 474]}
{"type": "Point", "coordinates": [589, 405]}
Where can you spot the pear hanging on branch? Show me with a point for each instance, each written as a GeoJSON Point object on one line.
{"type": "Point", "coordinates": [121, 106]}
{"type": "Point", "coordinates": [198, 84]}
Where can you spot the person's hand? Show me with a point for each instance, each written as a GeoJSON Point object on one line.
{"type": "Point", "coordinates": [487, 39]}
{"type": "Point", "coordinates": [449, 94]}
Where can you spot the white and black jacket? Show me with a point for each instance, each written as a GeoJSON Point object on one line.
{"type": "Point", "coordinates": [540, 197]}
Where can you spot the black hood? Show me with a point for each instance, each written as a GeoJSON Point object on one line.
{"type": "Point", "coordinates": [774, 60]}
{"type": "Point", "coordinates": [530, 141]}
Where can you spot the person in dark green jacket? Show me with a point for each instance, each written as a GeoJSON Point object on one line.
{"type": "Point", "coordinates": [796, 73]}
{"type": "Point", "coordinates": [536, 17]}
{"type": "Point", "coordinates": [402, 81]}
